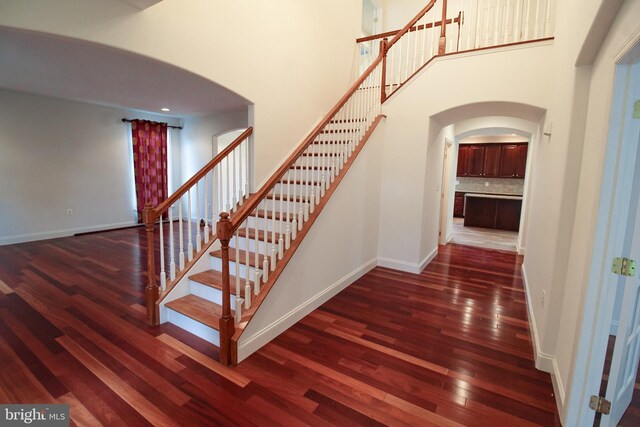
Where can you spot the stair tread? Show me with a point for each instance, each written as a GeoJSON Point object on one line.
{"type": "Point", "coordinates": [243, 258]}
{"type": "Point", "coordinates": [299, 182]}
{"type": "Point", "coordinates": [320, 154]}
{"type": "Point", "coordinates": [269, 215]}
{"type": "Point", "coordinates": [313, 167]}
{"type": "Point", "coordinates": [288, 198]}
{"type": "Point", "coordinates": [213, 279]}
{"type": "Point", "coordinates": [199, 309]}
{"type": "Point", "coordinates": [252, 235]}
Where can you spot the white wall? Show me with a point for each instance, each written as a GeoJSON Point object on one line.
{"type": "Point", "coordinates": [597, 108]}
{"type": "Point", "coordinates": [409, 133]}
{"type": "Point", "coordinates": [198, 137]}
{"type": "Point", "coordinates": [59, 155]}
{"type": "Point", "coordinates": [326, 262]}
{"type": "Point", "coordinates": [291, 58]}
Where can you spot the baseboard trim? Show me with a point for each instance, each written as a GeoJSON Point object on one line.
{"type": "Point", "coordinates": [543, 361]}
{"type": "Point", "coordinates": [396, 264]}
{"type": "Point", "coordinates": [22, 238]}
{"type": "Point", "coordinates": [429, 258]}
{"type": "Point", "coordinates": [268, 333]}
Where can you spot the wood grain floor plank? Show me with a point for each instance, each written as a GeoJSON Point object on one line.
{"type": "Point", "coordinates": [145, 408]}
{"type": "Point", "coordinates": [448, 346]}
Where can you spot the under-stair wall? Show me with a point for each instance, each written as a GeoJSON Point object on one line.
{"type": "Point", "coordinates": [340, 247]}
{"type": "Point", "coordinates": [515, 78]}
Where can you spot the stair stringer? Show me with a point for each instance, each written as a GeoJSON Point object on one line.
{"type": "Point", "coordinates": [340, 247]}
{"type": "Point", "coordinates": [183, 287]}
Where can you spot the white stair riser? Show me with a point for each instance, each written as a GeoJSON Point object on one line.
{"type": "Point", "coordinates": [206, 333]}
{"type": "Point", "coordinates": [216, 264]}
{"type": "Point", "coordinates": [252, 245]}
{"type": "Point", "coordinates": [213, 294]}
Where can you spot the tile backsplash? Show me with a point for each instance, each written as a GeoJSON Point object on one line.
{"type": "Point", "coordinates": [496, 185]}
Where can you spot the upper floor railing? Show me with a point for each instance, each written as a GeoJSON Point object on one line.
{"type": "Point", "coordinates": [450, 26]}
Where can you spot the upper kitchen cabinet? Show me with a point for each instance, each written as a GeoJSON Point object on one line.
{"type": "Point", "coordinates": [521, 160]}
{"type": "Point", "coordinates": [492, 155]}
{"type": "Point", "coordinates": [463, 160]}
{"type": "Point", "coordinates": [476, 160]}
{"type": "Point", "coordinates": [513, 161]}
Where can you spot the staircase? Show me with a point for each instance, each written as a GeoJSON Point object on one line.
{"type": "Point", "coordinates": [236, 243]}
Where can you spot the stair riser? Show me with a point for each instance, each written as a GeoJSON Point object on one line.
{"type": "Point", "coordinates": [193, 326]}
{"type": "Point", "coordinates": [300, 189]}
{"type": "Point", "coordinates": [252, 245]}
{"type": "Point", "coordinates": [216, 264]}
{"type": "Point", "coordinates": [211, 294]}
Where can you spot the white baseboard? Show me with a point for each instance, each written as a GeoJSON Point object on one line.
{"type": "Point", "coordinates": [396, 264]}
{"type": "Point", "coordinates": [30, 237]}
{"type": "Point", "coordinates": [543, 361]}
{"type": "Point", "coordinates": [429, 258]}
{"type": "Point", "coordinates": [251, 344]}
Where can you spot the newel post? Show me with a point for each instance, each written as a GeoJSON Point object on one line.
{"type": "Point", "coordinates": [442, 46]}
{"type": "Point", "coordinates": [383, 84]}
{"type": "Point", "coordinates": [227, 326]}
{"type": "Point", "coordinates": [152, 292]}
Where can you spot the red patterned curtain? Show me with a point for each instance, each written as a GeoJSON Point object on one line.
{"type": "Point", "coordinates": [149, 162]}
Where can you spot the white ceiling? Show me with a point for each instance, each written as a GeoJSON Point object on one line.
{"type": "Point", "coordinates": [82, 71]}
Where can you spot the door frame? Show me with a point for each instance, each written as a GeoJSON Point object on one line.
{"type": "Point", "coordinates": [613, 209]}
{"type": "Point", "coordinates": [446, 192]}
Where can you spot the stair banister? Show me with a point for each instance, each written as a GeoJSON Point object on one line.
{"type": "Point", "coordinates": [151, 215]}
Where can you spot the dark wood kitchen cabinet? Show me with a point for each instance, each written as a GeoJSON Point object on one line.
{"type": "Point", "coordinates": [513, 163]}
{"type": "Point", "coordinates": [490, 212]}
{"type": "Point", "coordinates": [492, 154]}
{"type": "Point", "coordinates": [476, 160]}
{"type": "Point", "coordinates": [458, 205]}
{"type": "Point", "coordinates": [463, 160]}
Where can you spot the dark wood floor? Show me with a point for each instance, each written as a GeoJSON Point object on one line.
{"type": "Point", "coordinates": [450, 346]}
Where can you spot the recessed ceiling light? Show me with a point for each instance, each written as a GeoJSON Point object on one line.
{"type": "Point", "coordinates": [164, 109]}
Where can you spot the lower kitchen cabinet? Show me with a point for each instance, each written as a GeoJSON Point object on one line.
{"type": "Point", "coordinates": [491, 212]}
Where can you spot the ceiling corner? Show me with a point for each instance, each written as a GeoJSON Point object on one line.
{"type": "Point", "coordinates": [142, 4]}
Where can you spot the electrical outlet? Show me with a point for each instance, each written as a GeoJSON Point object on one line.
{"type": "Point", "coordinates": [544, 294]}
{"type": "Point", "coordinates": [69, 212]}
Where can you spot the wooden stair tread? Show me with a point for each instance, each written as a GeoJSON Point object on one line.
{"type": "Point", "coordinates": [300, 182]}
{"type": "Point", "coordinates": [213, 279]}
{"type": "Point", "coordinates": [243, 259]}
{"type": "Point", "coordinates": [288, 198]}
{"type": "Point", "coordinates": [313, 167]}
{"type": "Point", "coordinates": [269, 215]}
{"type": "Point", "coordinates": [320, 154]}
{"type": "Point", "coordinates": [242, 232]}
{"type": "Point", "coordinates": [199, 309]}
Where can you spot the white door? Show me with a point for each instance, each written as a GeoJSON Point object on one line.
{"type": "Point", "coordinates": [626, 353]}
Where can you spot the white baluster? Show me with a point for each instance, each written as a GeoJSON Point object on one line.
{"type": "Point", "coordinates": [240, 176]}
{"type": "Point", "coordinates": [234, 161]}
{"type": "Point", "coordinates": [547, 22]}
{"type": "Point", "coordinates": [298, 175]}
{"type": "Point", "coordinates": [163, 274]}
{"type": "Point", "coordinates": [172, 265]}
{"type": "Point", "coordinates": [190, 242]}
{"type": "Point", "coordinates": [288, 230]}
{"type": "Point", "coordinates": [198, 235]}
{"type": "Point", "coordinates": [281, 239]}
{"type": "Point", "coordinates": [257, 244]}
{"type": "Point", "coordinates": [496, 24]}
{"type": "Point", "coordinates": [517, 21]}
{"type": "Point", "coordinates": [206, 211]}
{"type": "Point", "coordinates": [247, 260]}
{"type": "Point", "coordinates": [527, 21]}
{"type": "Point", "coordinates": [507, 16]}
{"type": "Point", "coordinates": [181, 253]}
{"type": "Point", "coordinates": [236, 245]}
{"type": "Point", "coordinates": [537, 27]}
{"type": "Point", "coordinates": [274, 250]}
{"type": "Point", "coordinates": [265, 259]}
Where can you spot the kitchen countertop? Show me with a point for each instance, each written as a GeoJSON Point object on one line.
{"type": "Point", "coordinates": [493, 196]}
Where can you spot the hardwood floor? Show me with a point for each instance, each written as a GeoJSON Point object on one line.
{"type": "Point", "coordinates": [483, 237]}
{"type": "Point", "coordinates": [447, 347]}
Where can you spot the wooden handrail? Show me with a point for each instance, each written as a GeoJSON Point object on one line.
{"type": "Point", "coordinates": [157, 211]}
{"type": "Point", "coordinates": [252, 203]}
{"type": "Point", "coordinates": [416, 28]}
{"type": "Point", "coordinates": [412, 23]}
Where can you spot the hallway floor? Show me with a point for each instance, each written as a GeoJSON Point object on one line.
{"type": "Point", "coordinates": [447, 347]}
{"type": "Point", "coordinates": [483, 237]}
